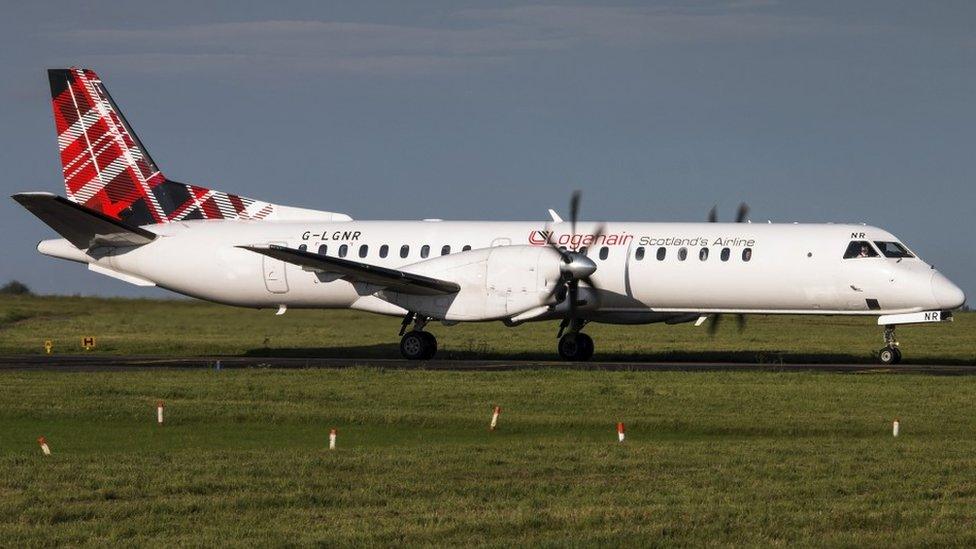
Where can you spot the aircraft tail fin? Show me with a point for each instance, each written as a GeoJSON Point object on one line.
{"type": "Point", "coordinates": [107, 169]}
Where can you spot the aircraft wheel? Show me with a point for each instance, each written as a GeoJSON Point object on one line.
{"type": "Point", "coordinates": [889, 355]}
{"type": "Point", "coordinates": [576, 347]}
{"type": "Point", "coordinates": [415, 345]}
{"type": "Point", "coordinates": [430, 343]}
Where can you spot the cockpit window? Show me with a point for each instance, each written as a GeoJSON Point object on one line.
{"type": "Point", "coordinates": [859, 248]}
{"type": "Point", "coordinates": [893, 249]}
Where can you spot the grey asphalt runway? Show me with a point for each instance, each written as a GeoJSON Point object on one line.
{"type": "Point", "coordinates": [92, 363]}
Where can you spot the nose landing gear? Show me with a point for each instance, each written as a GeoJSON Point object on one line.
{"type": "Point", "coordinates": [417, 344]}
{"type": "Point", "coordinates": [891, 354]}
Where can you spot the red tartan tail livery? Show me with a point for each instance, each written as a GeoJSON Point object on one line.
{"type": "Point", "coordinates": [107, 169]}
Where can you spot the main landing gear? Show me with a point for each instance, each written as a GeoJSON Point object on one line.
{"type": "Point", "coordinates": [417, 344]}
{"type": "Point", "coordinates": [574, 346]}
{"type": "Point", "coordinates": [891, 354]}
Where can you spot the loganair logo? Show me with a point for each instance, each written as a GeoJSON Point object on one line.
{"type": "Point", "coordinates": [541, 238]}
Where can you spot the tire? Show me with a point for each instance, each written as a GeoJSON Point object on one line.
{"type": "Point", "coordinates": [575, 347]}
{"type": "Point", "coordinates": [888, 355]}
{"type": "Point", "coordinates": [430, 343]}
{"type": "Point", "coordinates": [414, 345]}
{"type": "Point", "coordinates": [585, 343]}
{"type": "Point", "coordinates": [897, 356]}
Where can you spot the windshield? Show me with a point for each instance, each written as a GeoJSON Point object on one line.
{"type": "Point", "coordinates": [858, 249]}
{"type": "Point", "coordinates": [893, 249]}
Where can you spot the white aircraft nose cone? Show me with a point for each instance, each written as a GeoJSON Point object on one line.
{"type": "Point", "coordinates": [947, 294]}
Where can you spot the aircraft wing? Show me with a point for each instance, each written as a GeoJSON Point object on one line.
{"type": "Point", "coordinates": [83, 227]}
{"type": "Point", "coordinates": [399, 281]}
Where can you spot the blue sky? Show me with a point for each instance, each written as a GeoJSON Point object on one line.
{"type": "Point", "coordinates": [809, 111]}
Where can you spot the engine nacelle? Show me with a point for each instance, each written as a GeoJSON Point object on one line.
{"type": "Point", "coordinates": [496, 283]}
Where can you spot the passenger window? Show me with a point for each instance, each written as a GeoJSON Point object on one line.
{"type": "Point", "coordinates": [424, 251]}
{"type": "Point", "coordinates": [445, 250]}
{"type": "Point", "coordinates": [662, 252]}
{"type": "Point", "coordinates": [303, 248]}
{"type": "Point", "coordinates": [343, 250]}
{"type": "Point", "coordinates": [725, 254]}
{"type": "Point", "coordinates": [859, 249]}
{"type": "Point", "coordinates": [604, 252]}
{"type": "Point", "coordinates": [682, 254]}
{"type": "Point", "coordinates": [893, 250]}
{"type": "Point", "coordinates": [384, 251]}
{"type": "Point", "coordinates": [747, 254]}
{"type": "Point", "coordinates": [363, 250]}
{"type": "Point", "coordinates": [467, 247]}
{"type": "Point", "coordinates": [703, 254]}
{"type": "Point", "coordinates": [323, 250]}
{"type": "Point", "coordinates": [640, 253]}
{"type": "Point", "coordinates": [404, 251]}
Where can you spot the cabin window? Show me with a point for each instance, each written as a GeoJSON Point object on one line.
{"type": "Point", "coordinates": [859, 249]}
{"type": "Point", "coordinates": [384, 251]}
{"type": "Point", "coordinates": [343, 250]}
{"type": "Point", "coordinates": [893, 250]}
{"type": "Point", "coordinates": [703, 254]}
{"type": "Point", "coordinates": [726, 253]}
{"type": "Point", "coordinates": [303, 248]}
{"type": "Point", "coordinates": [639, 255]}
{"type": "Point", "coordinates": [682, 254]}
{"type": "Point", "coordinates": [404, 251]}
{"type": "Point", "coordinates": [467, 247]}
{"type": "Point", "coordinates": [424, 251]}
{"type": "Point", "coordinates": [323, 249]}
{"type": "Point", "coordinates": [604, 252]}
{"type": "Point", "coordinates": [662, 252]}
{"type": "Point", "coordinates": [363, 250]}
{"type": "Point", "coordinates": [747, 254]}
{"type": "Point", "coordinates": [445, 250]}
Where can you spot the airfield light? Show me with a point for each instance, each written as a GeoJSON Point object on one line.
{"type": "Point", "coordinates": [494, 418]}
{"type": "Point", "coordinates": [895, 426]}
{"type": "Point", "coordinates": [43, 444]}
{"type": "Point", "coordinates": [332, 439]}
{"type": "Point", "coordinates": [621, 434]}
{"type": "Point", "coordinates": [159, 412]}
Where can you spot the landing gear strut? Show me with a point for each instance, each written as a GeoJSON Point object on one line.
{"type": "Point", "coordinates": [417, 344]}
{"type": "Point", "coordinates": [891, 354]}
{"type": "Point", "coordinates": [575, 345]}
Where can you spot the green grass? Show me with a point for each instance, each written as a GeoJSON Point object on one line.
{"type": "Point", "coordinates": [711, 458]}
{"type": "Point", "coordinates": [730, 458]}
{"type": "Point", "coordinates": [194, 328]}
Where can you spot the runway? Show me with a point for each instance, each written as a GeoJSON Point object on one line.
{"type": "Point", "coordinates": [103, 363]}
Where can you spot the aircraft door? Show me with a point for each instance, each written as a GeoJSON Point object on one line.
{"type": "Point", "coordinates": [275, 277]}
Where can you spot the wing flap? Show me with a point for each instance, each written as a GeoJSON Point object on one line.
{"type": "Point", "coordinates": [392, 279]}
{"type": "Point", "coordinates": [83, 227]}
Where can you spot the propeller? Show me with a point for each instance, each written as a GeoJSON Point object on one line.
{"type": "Point", "coordinates": [741, 216]}
{"type": "Point", "coordinates": [575, 267]}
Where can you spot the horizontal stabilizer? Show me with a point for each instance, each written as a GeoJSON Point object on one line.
{"type": "Point", "coordinates": [391, 279]}
{"type": "Point", "coordinates": [83, 227]}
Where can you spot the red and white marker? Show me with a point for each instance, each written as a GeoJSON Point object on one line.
{"type": "Point", "coordinates": [620, 431]}
{"type": "Point", "coordinates": [159, 412]}
{"type": "Point", "coordinates": [894, 428]}
{"type": "Point", "coordinates": [44, 447]}
{"type": "Point", "coordinates": [332, 439]}
{"type": "Point", "coordinates": [494, 418]}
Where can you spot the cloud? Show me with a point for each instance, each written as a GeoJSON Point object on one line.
{"type": "Point", "coordinates": [466, 39]}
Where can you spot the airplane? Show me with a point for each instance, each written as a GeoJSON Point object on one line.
{"type": "Point", "coordinates": [123, 218]}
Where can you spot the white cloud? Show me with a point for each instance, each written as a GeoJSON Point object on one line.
{"type": "Point", "coordinates": [473, 39]}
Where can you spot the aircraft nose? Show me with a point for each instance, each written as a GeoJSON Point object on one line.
{"type": "Point", "coordinates": [947, 294]}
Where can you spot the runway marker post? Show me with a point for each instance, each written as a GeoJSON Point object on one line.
{"type": "Point", "coordinates": [159, 412]}
{"type": "Point", "coordinates": [332, 438]}
{"type": "Point", "coordinates": [48, 346]}
{"type": "Point", "coordinates": [88, 342]}
{"type": "Point", "coordinates": [621, 433]}
{"type": "Point", "coordinates": [895, 427]}
{"type": "Point", "coordinates": [494, 418]}
{"type": "Point", "coordinates": [42, 442]}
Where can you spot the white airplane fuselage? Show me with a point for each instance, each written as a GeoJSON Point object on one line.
{"type": "Point", "coordinates": [791, 268]}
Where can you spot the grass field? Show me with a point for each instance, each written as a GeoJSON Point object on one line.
{"type": "Point", "coordinates": [717, 458]}
{"type": "Point", "coordinates": [711, 458]}
{"type": "Point", "coordinates": [194, 328]}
